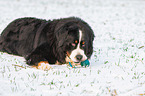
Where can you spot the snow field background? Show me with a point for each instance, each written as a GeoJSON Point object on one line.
{"type": "Point", "coordinates": [117, 64]}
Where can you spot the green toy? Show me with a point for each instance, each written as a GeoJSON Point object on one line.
{"type": "Point", "coordinates": [85, 63]}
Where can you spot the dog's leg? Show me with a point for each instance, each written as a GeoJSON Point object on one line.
{"type": "Point", "coordinates": [41, 58]}
{"type": "Point", "coordinates": [44, 65]}
{"type": "Point", "coordinates": [38, 62]}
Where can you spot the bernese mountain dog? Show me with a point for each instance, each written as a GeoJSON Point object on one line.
{"type": "Point", "coordinates": [44, 42]}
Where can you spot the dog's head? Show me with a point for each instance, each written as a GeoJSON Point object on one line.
{"type": "Point", "coordinates": [74, 39]}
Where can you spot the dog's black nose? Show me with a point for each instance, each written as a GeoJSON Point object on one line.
{"type": "Point", "coordinates": [79, 57]}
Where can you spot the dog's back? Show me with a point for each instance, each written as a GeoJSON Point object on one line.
{"type": "Point", "coordinates": [17, 35]}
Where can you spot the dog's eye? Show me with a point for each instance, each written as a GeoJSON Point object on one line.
{"type": "Point", "coordinates": [73, 44]}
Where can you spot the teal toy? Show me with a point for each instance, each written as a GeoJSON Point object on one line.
{"type": "Point", "coordinates": [85, 63]}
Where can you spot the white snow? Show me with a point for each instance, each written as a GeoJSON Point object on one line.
{"type": "Point", "coordinates": [117, 64]}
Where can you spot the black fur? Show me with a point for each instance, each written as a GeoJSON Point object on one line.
{"type": "Point", "coordinates": [40, 40]}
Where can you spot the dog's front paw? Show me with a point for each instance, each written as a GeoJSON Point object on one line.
{"type": "Point", "coordinates": [44, 65]}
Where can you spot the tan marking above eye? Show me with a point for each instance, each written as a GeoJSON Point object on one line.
{"type": "Point", "coordinates": [76, 41]}
{"type": "Point", "coordinates": [83, 43]}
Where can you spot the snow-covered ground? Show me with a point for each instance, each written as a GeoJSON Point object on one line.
{"type": "Point", "coordinates": [117, 65]}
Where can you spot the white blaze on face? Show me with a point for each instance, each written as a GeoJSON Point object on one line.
{"type": "Point", "coordinates": [78, 50]}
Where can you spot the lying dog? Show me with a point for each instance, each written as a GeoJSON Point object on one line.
{"type": "Point", "coordinates": [43, 42]}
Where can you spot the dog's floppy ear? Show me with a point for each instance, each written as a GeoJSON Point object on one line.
{"type": "Point", "coordinates": [63, 31]}
{"type": "Point", "coordinates": [89, 49]}
{"type": "Point", "coordinates": [61, 37]}
{"type": "Point", "coordinates": [89, 37]}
